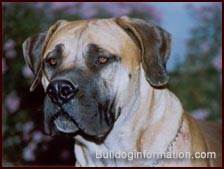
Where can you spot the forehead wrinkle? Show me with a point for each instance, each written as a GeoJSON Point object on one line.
{"type": "Point", "coordinates": [57, 47]}
{"type": "Point", "coordinates": [80, 42]}
{"type": "Point", "coordinates": [96, 48]}
{"type": "Point", "coordinates": [73, 50]}
{"type": "Point", "coordinates": [64, 34]}
{"type": "Point", "coordinates": [106, 34]}
{"type": "Point", "coordinates": [90, 35]}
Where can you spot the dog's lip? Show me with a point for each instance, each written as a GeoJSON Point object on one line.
{"type": "Point", "coordinates": [65, 125]}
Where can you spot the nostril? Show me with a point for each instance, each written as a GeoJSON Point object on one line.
{"type": "Point", "coordinates": [66, 91]}
{"type": "Point", "coordinates": [52, 93]}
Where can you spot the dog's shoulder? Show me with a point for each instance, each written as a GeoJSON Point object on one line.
{"type": "Point", "coordinates": [212, 133]}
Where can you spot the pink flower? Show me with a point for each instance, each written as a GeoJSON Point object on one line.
{"type": "Point", "coordinates": [65, 154]}
{"type": "Point", "coordinates": [12, 102]}
{"type": "Point", "coordinates": [217, 62]}
{"type": "Point", "coordinates": [115, 9]}
{"type": "Point", "coordinates": [9, 44]}
{"type": "Point", "coordinates": [28, 152]}
{"type": "Point", "coordinates": [28, 126]}
{"type": "Point", "coordinates": [4, 66]}
{"type": "Point", "coordinates": [147, 10]}
{"type": "Point", "coordinates": [37, 137]}
{"type": "Point", "coordinates": [62, 6]}
{"type": "Point", "coordinates": [87, 10]}
{"type": "Point", "coordinates": [26, 71]}
{"type": "Point", "coordinates": [11, 53]}
{"type": "Point", "coordinates": [205, 13]}
{"type": "Point", "coordinates": [58, 6]}
{"type": "Point", "coordinates": [121, 9]}
{"type": "Point", "coordinates": [200, 114]}
{"type": "Point", "coordinates": [156, 14]}
{"type": "Point", "coordinates": [205, 47]}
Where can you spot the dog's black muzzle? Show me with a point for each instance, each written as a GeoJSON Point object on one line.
{"type": "Point", "coordinates": [78, 101]}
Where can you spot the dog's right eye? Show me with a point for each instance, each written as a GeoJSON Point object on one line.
{"type": "Point", "coordinates": [52, 62]}
{"type": "Point", "coordinates": [102, 60]}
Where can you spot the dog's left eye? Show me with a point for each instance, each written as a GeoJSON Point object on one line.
{"type": "Point", "coordinates": [102, 60]}
{"type": "Point", "coordinates": [52, 61]}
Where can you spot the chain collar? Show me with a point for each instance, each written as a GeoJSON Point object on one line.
{"type": "Point", "coordinates": [171, 145]}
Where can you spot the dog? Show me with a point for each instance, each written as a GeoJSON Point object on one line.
{"type": "Point", "coordinates": [105, 83]}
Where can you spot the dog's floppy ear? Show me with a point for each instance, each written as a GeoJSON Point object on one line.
{"type": "Point", "coordinates": [155, 45]}
{"type": "Point", "coordinates": [33, 48]}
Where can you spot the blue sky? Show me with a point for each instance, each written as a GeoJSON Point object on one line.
{"type": "Point", "coordinates": [178, 21]}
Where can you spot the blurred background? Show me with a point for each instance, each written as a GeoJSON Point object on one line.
{"type": "Point", "coordinates": [195, 68]}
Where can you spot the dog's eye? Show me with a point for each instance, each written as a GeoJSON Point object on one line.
{"type": "Point", "coordinates": [52, 61]}
{"type": "Point", "coordinates": [102, 60]}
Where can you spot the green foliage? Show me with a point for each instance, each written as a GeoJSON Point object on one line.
{"type": "Point", "coordinates": [197, 81]}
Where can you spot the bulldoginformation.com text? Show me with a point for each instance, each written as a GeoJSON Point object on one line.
{"type": "Point", "coordinates": [148, 155]}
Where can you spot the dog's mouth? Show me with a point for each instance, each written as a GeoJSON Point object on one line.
{"type": "Point", "coordinates": [65, 125]}
{"type": "Point", "coordinates": [93, 121]}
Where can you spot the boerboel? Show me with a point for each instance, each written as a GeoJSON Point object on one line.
{"type": "Point", "coordinates": [105, 85]}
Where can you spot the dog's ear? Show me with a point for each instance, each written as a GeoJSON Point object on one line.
{"type": "Point", "coordinates": [34, 47]}
{"type": "Point", "coordinates": [155, 45]}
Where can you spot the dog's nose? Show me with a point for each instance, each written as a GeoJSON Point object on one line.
{"type": "Point", "coordinates": [61, 91]}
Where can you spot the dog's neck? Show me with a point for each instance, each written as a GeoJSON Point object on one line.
{"type": "Point", "coordinates": [140, 127]}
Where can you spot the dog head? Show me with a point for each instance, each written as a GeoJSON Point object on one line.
{"type": "Point", "coordinates": [90, 69]}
